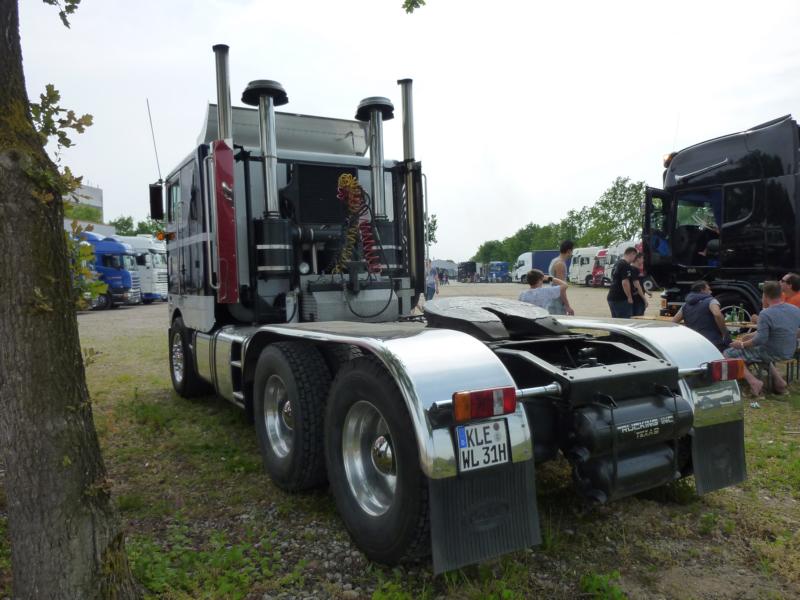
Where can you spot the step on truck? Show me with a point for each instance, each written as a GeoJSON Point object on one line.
{"type": "Point", "coordinates": [727, 213]}
{"type": "Point", "coordinates": [296, 256]}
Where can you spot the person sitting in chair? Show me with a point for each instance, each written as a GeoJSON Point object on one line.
{"type": "Point", "coordinates": [774, 340]}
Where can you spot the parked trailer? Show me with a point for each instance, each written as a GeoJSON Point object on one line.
{"type": "Point", "coordinates": [727, 214]}
{"type": "Point", "coordinates": [426, 429]}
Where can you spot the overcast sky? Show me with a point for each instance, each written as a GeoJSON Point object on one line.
{"type": "Point", "coordinates": [523, 110]}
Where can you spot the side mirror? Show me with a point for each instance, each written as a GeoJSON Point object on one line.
{"type": "Point", "coordinates": [157, 201]}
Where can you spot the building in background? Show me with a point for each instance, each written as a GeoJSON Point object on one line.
{"type": "Point", "coordinates": [90, 196]}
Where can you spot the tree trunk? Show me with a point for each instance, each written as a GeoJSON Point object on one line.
{"type": "Point", "coordinates": [66, 538]}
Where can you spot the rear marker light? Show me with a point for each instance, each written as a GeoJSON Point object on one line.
{"type": "Point", "coordinates": [480, 404]}
{"type": "Point", "coordinates": [726, 369]}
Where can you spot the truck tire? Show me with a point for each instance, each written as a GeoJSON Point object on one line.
{"type": "Point", "coordinates": [289, 392]}
{"type": "Point", "coordinates": [374, 465]}
{"type": "Point", "coordinates": [337, 355]}
{"type": "Point", "coordinates": [588, 281]}
{"type": "Point", "coordinates": [184, 377]}
{"type": "Point", "coordinates": [103, 302]}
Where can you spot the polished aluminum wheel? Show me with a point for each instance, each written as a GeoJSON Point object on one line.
{"type": "Point", "coordinates": [278, 418]}
{"type": "Point", "coordinates": [369, 458]}
{"type": "Point", "coordinates": [177, 357]}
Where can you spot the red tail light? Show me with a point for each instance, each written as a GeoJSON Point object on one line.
{"type": "Point", "coordinates": [726, 369]}
{"type": "Point", "coordinates": [479, 404]}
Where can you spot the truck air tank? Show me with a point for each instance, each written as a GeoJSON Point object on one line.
{"type": "Point", "coordinates": [634, 424]}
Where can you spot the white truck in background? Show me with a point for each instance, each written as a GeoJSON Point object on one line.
{"type": "Point", "coordinates": [151, 264]}
{"type": "Point", "coordinates": [580, 270]}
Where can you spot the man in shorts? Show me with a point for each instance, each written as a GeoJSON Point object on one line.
{"type": "Point", "coordinates": [620, 295]}
{"type": "Point", "coordinates": [539, 295]}
{"type": "Point", "coordinates": [774, 340]}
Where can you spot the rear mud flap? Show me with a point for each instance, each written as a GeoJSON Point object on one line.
{"type": "Point", "coordinates": [481, 515]}
{"type": "Point", "coordinates": [718, 456]}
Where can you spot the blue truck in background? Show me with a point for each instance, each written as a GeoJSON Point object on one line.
{"type": "Point", "coordinates": [497, 272]}
{"type": "Point", "coordinates": [115, 262]}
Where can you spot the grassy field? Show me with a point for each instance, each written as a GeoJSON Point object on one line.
{"type": "Point", "coordinates": [203, 521]}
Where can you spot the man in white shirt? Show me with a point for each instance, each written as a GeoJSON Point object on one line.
{"type": "Point", "coordinates": [540, 295]}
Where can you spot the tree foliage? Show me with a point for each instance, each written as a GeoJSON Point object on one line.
{"type": "Point", "coordinates": [615, 217]}
{"type": "Point", "coordinates": [124, 226]}
{"type": "Point", "coordinates": [409, 5]}
{"type": "Point", "coordinates": [85, 284]}
{"type": "Point", "coordinates": [430, 229]}
{"type": "Point", "coordinates": [82, 212]}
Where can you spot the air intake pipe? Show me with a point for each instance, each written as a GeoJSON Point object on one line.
{"type": "Point", "coordinates": [274, 245]}
{"type": "Point", "coordinates": [376, 110]}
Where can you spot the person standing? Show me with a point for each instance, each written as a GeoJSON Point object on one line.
{"type": "Point", "coordinates": [702, 312]}
{"type": "Point", "coordinates": [620, 295]}
{"type": "Point", "coordinates": [558, 271]}
{"type": "Point", "coordinates": [639, 295]}
{"type": "Point", "coordinates": [539, 294]}
{"type": "Point", "coordinates": [774, 340]}
{"type": "Point", "coordinates": [431, 280]}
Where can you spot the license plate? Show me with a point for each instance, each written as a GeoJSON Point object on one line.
{"type": "Point", "coordinates": [482, 445]}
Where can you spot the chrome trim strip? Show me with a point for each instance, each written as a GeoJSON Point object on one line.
{"type": "Point", "coordinates": [202, 355]}
{"type": "Point", "coordinates": [281, 268]}
{"type": "Point", "coordinates": [197, 238]}
{"type": "Point", "coordinates": [273, 247]}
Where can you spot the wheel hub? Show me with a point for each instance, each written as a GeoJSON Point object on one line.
{"type": "Point", "coordinates": [177, 357]}
{"type": "Point", "coordinates": [278, 416]}
{"type": "Point", "coordinates": [369, 458]}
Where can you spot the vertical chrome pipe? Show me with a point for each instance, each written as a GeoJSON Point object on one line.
{"type": "Point", "coordinates": [376, 110]}
{"type": "Point", "coordinates": [224, 112]}
{"type": "Point", "coordinates": [376, 164]}
{"type": "Point", "coordinates": [408, 118]}
{"type": "Point", "coordinates": [408, 156]}
{"type": "Point", "coordinates": [269, 149]}
{"type": "Point", "coordinates": [267, 94]}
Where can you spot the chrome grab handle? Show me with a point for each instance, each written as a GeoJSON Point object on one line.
{"type": "Point", "coordinates": [210, 192]}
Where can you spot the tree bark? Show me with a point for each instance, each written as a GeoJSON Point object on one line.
{"type": "Point", "coordinates": [66, 538]}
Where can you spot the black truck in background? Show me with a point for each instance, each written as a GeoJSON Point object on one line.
{"type": "Point", "coordinates": [727, 214]}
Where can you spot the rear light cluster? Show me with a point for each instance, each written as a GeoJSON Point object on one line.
{"type": "Point", "coordinates": [726, 369]}
{"type": "Point", "coordinates": [480, 404]}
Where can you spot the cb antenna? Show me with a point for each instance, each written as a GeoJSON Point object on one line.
{"type": "Point", "coordinates": [153, 134]}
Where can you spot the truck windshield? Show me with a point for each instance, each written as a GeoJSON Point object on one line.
{"type": "Point", "coordinates": [159, 260]}
{"type": "Point", "coordinates": [129, 262]}
{"type": "Point", "coordinates": [112, 260]}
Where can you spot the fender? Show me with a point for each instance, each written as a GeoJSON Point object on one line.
{"type": "Point", "coordinates": [428, 366]}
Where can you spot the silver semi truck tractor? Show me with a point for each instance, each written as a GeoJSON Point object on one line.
{"type": "Point", "coordinates": [296, 256]}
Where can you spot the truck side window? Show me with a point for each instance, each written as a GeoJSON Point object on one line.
{"type": "Point", "coordinates": [173, 202]}
{"type": "Point", "coordinates": [742, 228]}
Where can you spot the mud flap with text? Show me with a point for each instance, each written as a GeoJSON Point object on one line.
{"type": "Point", "coordinates": [718, 456]}
{"type": "Point", "coordinates": [482, 515]}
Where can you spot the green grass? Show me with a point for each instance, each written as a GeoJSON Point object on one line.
{"type": "Point", "coordinates": [203, 521]}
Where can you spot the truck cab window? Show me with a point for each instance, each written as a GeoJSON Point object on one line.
{"type": "Point", "coordinates": [742, 228]}
{"type": "Point", "coordinates": [112, 261]}
{"type": "Point", "coordinates": [173, 202]}
{"type": "Point", "coordinates": [697, 227]}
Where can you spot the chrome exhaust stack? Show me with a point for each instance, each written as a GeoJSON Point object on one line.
{"type": "Point", "coordinates": [416, 216]}
{"type": "Point", "coordinates": [224, 112]}
{"type": "Point", "coordinates": [376, 110]}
